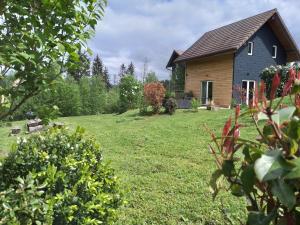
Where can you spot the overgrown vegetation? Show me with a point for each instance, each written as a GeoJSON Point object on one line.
{"type": "Point", "coordinates": [264, 170]}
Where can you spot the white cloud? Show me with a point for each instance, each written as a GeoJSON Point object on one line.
{"type": "Point", "coordinates": [133, 29]}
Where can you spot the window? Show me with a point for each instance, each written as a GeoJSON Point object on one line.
{"type": "Point", "coordinates": [274, 51]}
{"type": "Point", "coordinates": [206, 92]}
{"type": "Point", "coordinates": [248, 91]}
{"type": "Point", "coordinates": [250, 48]}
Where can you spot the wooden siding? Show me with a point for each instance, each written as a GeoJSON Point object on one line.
{"type": "Point", "coordinates": [219, 70]}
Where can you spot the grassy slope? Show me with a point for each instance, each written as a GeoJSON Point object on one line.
{"type": "Point", "coordinates": [163, 163]}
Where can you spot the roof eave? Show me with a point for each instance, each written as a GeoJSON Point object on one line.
{"type": "Point", "coordinates": [232, 50]}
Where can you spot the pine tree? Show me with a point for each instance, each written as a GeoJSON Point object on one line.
{"type": "Point", "coordinates": [106, 78]}
{"type": "Point", "coordinates": [82, 67]}
{"type": "Point", "coordinates": [130, 70]}
{"type": "Point", "coordinates": [97, 69]}
{"type": "Point", "coordinates": [122, 72]}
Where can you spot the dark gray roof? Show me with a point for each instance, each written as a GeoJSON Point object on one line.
{"type": "Point", "coordinates": [226, 38]}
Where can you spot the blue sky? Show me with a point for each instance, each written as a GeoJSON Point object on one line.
{"type": "Point", "coordinates": [133, 30]}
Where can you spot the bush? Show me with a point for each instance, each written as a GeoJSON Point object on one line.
{"type": "Point", "coordinates": [61, 179]}
{"type": "Point", "coordinates": [195, 104]}
{"type": "Point", "coordinates": [264, 170]}
{"type": "Point", "coordinates": [170, 106]}
{"type": "Point", "coordinates": [268, 74]}
{"type": "Point", "coordinates": [112, 101]}
{"type": "Point", "coordinates": [154, 94]}
{"type": "Point", "coordinates": [130, 92]}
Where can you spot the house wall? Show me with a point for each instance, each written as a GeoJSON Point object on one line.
{"type": "Point", "coordinates": [249, 67]}
{"type": "Point", "coordinates": [219, 70]}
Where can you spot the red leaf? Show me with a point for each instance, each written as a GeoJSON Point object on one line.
{"type": "Point", "coordinates": [275, 84]}
{"type": "Point", "coordinates": [227, 127]}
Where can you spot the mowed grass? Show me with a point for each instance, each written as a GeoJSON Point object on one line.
{"type": "Point", "coordinates": [163, 164]}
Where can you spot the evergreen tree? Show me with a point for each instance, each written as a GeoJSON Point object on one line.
{"type": "Point", "coordinates": [97, 69]}
{"type": "Point", "coordinates": [106, 78]}
{"type": "Point", "coordinates": [81, 68]}
{"type": "Point", "coordinates": [130, 69]}
{"type": "Point", "coordinates": [122, 71]}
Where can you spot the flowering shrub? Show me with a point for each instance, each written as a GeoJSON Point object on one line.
{"type": "Point", "coordinates": [154, 94]}
{"type": "Point", "coordinates": [57, 178]}
{"type": "Point", "coordinates": [130, 91]}
{"type": "Point", "coordinates": [268, 74]}
{"type": "Point", "coordinates": [265, 171]}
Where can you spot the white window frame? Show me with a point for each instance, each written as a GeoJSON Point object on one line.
{"type": "Point", "coordinates": [207, 85]}
{"type": "Point", "coordinates": [247, 91]}
{"type": "Point", "coordinates": [251, 44]}
{"type": "Point", "coordinates": [274, 56]}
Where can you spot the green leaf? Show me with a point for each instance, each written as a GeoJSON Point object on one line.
{"type": "Point", "coordinates": [284, 193]}
{"type": "Point", "coordinates": [228, 168]}
{"type": "Point", "coordinates": [214, 182]}
{"type": "Point", "coordinates": [237, 190]}
{"type": "Point", "coordinates": [279, 116]}
{"type": "Point", "coordinates": [271, 166]}
{"type": "Point", "coordinates": [295, 173]}
{"type": "Point", "coordinates": [248, 179]}
{"type": "Point", "coordinates": [259, 218]}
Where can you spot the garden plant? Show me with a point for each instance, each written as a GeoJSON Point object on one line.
{"type": "Point", "coordinates": [266, 171]}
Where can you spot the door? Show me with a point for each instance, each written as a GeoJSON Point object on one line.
{"type": "Point", "coordinates": [206, 92]}
{"type": "Point", "coordinates": [248, 91]}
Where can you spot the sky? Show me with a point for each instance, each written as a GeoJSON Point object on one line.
{"type": "Point", "coordinates": [139, 30]}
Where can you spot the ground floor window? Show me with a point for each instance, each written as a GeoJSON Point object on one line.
{"type": "Point", "coordinates": [206, 92]}
{"type": "Point", "coordinates": [248, 91]}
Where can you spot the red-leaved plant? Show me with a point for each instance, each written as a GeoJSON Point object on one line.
{"type": "Point", "coordinates": [154, 94]}
{"type": "Point", "coordinates": [266, 170]}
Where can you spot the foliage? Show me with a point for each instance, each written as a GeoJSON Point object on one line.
{"type": "Point", "coordinates": [151, 77]}
{"type": "Point", "coordinates": [36, 36]}
{"type": "Point", "coordinates": [130, 69]}
{"type": "Point", "coordinates": [98, 70]}
{"type": "Point", "coordinates": [170, 106]}
{"type": "Point", "coordinates": [268, 74]}
{"type": "Point", "coordinates": [97, 96]}
{"type": "Point", "coordinates": [79, 67]}
{"type": "Point", "coordinates": [267, 174]}
{"type": "Point", "coordinates": [130, 91]}
{"type": "Point", "coordinates": [58, 178]}
{"type": "Point", "coordinates": [195, 104]}
{"type": "Point", "coordinates": [112, 101]}
{"type": "Point", "coordinates": [122, 71]}
{"type": "Point", "coordinates": [154, 94]}
{"type": "Point", "coordinates": [97, 67]}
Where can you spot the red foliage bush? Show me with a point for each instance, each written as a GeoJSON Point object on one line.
{"type": "Point", "coordinates": [154, 94]}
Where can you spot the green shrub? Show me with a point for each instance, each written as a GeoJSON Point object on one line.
{"type": "Point", "coordinates": [112, 101]}
{"type": "Point", "coordinates": [170, 106]}
{"type": "Point", "coordinates": [130, 92]}
{"type": "Point", "coordinates": [195, 104]}
{"type": "Point", "coordinates": [61, 178]}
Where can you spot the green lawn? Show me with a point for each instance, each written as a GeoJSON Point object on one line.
{"type": "Point", "coordinates": [163, 163]}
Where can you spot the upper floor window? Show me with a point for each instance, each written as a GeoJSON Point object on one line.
{"type": "Point", "coordinates": [274, 51]}
{"type": "Point", "coordinates": [250, 48]}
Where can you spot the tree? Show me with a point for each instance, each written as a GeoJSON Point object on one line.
{"type": "Point", "coordinates": [122, 71]}
{"type": "Point", "coordinates": [151, 77]}
{"type": "Point", "coordinates": [36, 36]}
{"type": "Point", "coordinates": [97, 68]}
{"type": "Point", "coordinates": [80, 68]}
{"type": "Point", "coordinates": [106, 78]}
{"type": "Point", "coordinates": [130, 69]}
